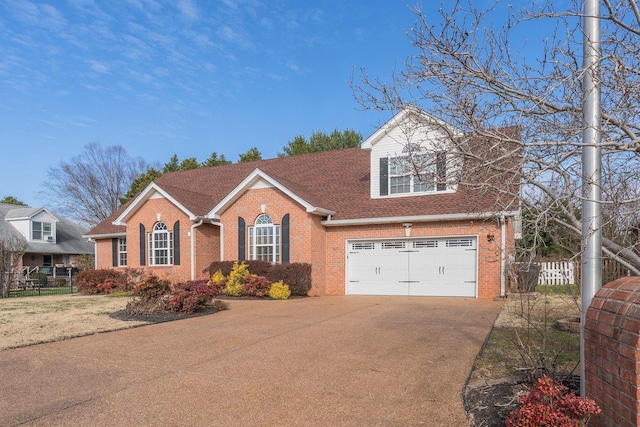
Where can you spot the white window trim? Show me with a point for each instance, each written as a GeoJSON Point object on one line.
{"type": "Point", "coordinates": [159, 235]}
{"type": "Point", "coordinates": [410, 173]}
{"type": "Point", "coordinates": [264, 221]}
{"type": "Point", "coordinates": [122, 252]}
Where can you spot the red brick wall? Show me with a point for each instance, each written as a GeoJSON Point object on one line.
{"type": "Point", "coordinates": [148, 215]}
{"type": "Point", "coordinates": [304, 228]}
{"type": "Point", "coordinates": [612, 353]}
{"type": "Point", "coordinates": [488, 233]}
{"type": "Point", "coordinates": [323, 247]}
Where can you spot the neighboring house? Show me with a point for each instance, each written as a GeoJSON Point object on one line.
{"type": "Point", "coordinates": [359, 216]}
{"type": "Point", "coordinates": [46, 239]}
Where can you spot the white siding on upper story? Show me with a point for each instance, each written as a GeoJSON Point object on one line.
{"type": "Point", "coordinates": [391, 144]}
{"type": "Point", "coordinates": [44, 216]}
{"type": "Point", "coordinates": [25, 225]}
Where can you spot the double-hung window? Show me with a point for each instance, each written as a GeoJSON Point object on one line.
{"type": "Point", "coordinates": [41, 231]}
{"type": "Point", "coordinates": [160, 245]}
{"type": "Point", "coordinates": [264, 240]}
{"type": "Point", "coordinates": [122, 252]}
{"type": "Point", "coordinates": [417, 171]}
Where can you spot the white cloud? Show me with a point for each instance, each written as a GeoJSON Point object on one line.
{"type": "Point", "coordinates": [99, 67]}
{"type": "Point", "coordinates": [188, 9]}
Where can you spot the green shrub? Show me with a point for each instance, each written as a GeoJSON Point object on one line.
{"type": "Point", "coordinates": [279, 291]}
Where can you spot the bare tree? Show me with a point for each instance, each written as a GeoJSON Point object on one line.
{"type": "Point", "coordinates": [476, 78]}
{"type": "Point", "coordinates": [89, 186]}
{"type": "Point", "coordinates": [12, 248]}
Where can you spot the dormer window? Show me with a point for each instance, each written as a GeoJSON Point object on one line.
{"type": "Point", "coordinates": [416, 170]}
{"type": "Point", "coordinates": [41, 231]}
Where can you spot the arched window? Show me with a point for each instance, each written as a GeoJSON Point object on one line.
{"type": "Point", "coordinates": [160, 245]}
{"type": "Point", "coordinates": [264, 240]}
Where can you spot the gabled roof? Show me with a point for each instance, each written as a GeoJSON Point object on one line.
{"type": "Point", "coordinates": [22, 213]}
{"type": "Point", "coordinates": [69, 235]}
{"type": "Point", "coordinates": [404, 116]}
{"type": "Point", "coordinates": [334, 182]}
{"type": "Point", "coordinates": [256, 176]}
{"type": "Point", "coordinates": [149, 192]}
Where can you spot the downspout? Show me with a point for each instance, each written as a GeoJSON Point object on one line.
{"type": "Point", "coordinates": [193, 247]}
{"type": "Point", "coordinates": [503, 255]}
{"type": "Point", "coordinates": [95, 252]}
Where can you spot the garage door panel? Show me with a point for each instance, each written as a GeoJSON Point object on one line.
{"type": "Point", "coordinates": [421, 267]}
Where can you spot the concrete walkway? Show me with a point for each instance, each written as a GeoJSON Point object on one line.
{"type": "Point", "coordinates": [327, 361]}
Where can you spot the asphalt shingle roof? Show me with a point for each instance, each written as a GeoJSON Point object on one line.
{"type": "Point", "coordinates": [69, 238]}
{"type": "Point", "coordinates": [337, 180]}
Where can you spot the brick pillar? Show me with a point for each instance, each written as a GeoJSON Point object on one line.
{"type": "Point", "coordinates": [612, 353]}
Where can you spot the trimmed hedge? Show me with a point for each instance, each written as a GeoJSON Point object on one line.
{"type": "Point", "coordinates": [296, 275]}
{"type": "Point", "coordinates": [102, 281]}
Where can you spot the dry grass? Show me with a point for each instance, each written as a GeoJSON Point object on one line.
{"type": "Point", "coordinates": [34, 320]}
{"type": "Point", "coordinates": [524, 331]}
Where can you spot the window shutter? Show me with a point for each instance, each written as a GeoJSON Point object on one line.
{"type": "Point", "coordinates": [441, 171]}
{"type": "Point", "coordinates": [285, 239]}
{"type": "Point", "coordinates": [143, 256]}
{"type": "Point", "coordinates": [114, 252]}
{"type": "Point", "coordinates": [241, 239]}
{"type": "Point", "coordinates": [384, 176]}
{"type": "Point", "coordinates": [176, 243]}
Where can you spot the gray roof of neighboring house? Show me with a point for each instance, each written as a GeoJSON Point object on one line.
{"type": "Point", "coordinates": [69, 238]}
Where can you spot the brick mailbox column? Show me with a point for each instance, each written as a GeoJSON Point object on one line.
{"type": "Point", "coordinates": [612, 353]}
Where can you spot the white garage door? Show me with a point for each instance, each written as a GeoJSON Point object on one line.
{"type": "Point", "coordinates": [426, 267]}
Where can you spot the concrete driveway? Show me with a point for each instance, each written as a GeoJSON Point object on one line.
{"type": "Point", "coordinates": [327, 361]}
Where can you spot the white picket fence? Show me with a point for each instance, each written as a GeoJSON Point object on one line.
{"type": "Point", "coordinates": [557, 273]}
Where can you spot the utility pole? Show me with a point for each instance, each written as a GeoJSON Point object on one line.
{"type": "Point", "coordinates": [591, 279]}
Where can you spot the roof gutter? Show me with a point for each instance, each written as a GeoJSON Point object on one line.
{"type": "Point", "coordinates": [416, 218]}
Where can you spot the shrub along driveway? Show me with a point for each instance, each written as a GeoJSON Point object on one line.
{"type": "Point", "coordinates": [315, 361]}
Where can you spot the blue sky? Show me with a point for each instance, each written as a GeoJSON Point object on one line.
{"type": "Point", "coordinates": [183, 76]}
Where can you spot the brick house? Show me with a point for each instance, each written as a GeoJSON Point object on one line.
{"type": "Point", "coordinates": [362, 217]}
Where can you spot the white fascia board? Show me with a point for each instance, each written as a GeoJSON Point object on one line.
{"type": "Point", "coordinates": [103, 236]}
{"type": "Point", "coordinates": [146, 194]}
{"type": "Point", "coordinates": [251, 179]}
{"type": "Point", "coordinates": [417, 218]}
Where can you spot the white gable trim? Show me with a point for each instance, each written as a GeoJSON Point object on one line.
{"type": "Point", "coordinates": [260, 178]}
{"type": "Point", "coordinates": [151, 192]}
{"type": "Point", "coordinates": [32, 214]}
{"type": "Point", "coordinates": [399, 119]}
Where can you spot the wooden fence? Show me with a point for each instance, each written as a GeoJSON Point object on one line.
{"type": "Point", "coordinates": [570, 272]}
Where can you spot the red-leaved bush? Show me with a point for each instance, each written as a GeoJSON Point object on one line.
{"type": "Point", "coordinates": [102, 281]}
{"type": "Point", "coordinates": [256, 286]}
{"type": "Point", "coordinates": [191, 296]}
{"type": "Point", "coordinates": [549, 404]}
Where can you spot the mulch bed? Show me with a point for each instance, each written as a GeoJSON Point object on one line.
{"type": "Point", "coordinates": [488, 402]}
{"type": "Point", "coordinates": [167, 316]}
